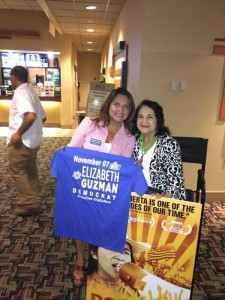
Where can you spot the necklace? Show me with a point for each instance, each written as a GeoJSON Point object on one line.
{"type": "Point", "coordinates": [145, 149]}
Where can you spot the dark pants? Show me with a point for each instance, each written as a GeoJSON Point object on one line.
{"type": "Point", "coordinates": [23, 170]}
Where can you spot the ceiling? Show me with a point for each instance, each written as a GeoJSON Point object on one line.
{"type": "Point", "coordinates": [71, 17]}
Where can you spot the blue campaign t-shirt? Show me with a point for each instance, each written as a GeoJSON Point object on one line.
{"type": "Point", "coordinates": [93, 193]}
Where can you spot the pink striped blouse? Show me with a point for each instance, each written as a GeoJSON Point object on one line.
{"type": "Point", "coordinates": [90, 136]}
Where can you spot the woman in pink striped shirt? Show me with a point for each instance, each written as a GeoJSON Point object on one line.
{"type": "Point", "coordinates": [110, 132]}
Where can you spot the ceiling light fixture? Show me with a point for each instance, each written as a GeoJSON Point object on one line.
{"type": "Point", "coordinates": [90, 30]}
{"type": "Point", "coordinates": [89, 49]}
{"type": "Point", "coordinates": [89, 42]}
{"type": "Point", "coordinates": [91, 7]}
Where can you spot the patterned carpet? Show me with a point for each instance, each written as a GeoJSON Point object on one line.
{"type": "Point", "coordinates": [34, 264]}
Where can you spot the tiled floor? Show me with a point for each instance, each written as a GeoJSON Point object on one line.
{"type": "Point", "coordinates": [47, 132]}
{"type": "Point", "coordinates": [34, 264]}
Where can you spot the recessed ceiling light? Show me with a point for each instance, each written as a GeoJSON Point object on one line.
{"type": "Point", "coordinates": [90, 21]}
{"type": "Point", "coordinates": [90, 7]}
{"type": "Point", "coordinates": [90, 30]}
{"type": "Point", "coordinates": [89, 42]}
{"type": "Point", "coordinates": [89, 49]}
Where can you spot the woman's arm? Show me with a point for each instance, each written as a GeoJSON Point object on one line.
{"type": "Point", "coordinates": [173, 169]}
{"type": "Point", "coordinates": [123, 143]}
{"type": "Point", "coordinates": [128, 148]}
{"type": "Point", "coordinates": [126, 145]}
{"type": "Point", "coordinates": [79, 133]}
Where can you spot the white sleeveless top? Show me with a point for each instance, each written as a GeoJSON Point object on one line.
{"type": "Point", "coordinates": [146, 162]}
{"type": "Point", "coordinates": [107, 147]}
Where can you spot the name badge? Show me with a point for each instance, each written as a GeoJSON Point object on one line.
{"type": "Point", "coordinates": [95, 142]}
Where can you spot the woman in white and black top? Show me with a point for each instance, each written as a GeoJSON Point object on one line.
{"type": "Point", "coordinates": [158, 153]}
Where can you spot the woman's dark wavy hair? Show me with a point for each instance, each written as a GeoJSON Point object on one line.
{"type": "Point", "coordinates": [161, 128]}
{"type": "Point", "coordinates": [104, 111]}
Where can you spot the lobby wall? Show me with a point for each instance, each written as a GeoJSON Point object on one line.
{"type": "Point", "coordinates": [37, 21]}
{"type": "Point", "coordinates": [177, 39]}
{"type": "Point", "coordinates": [88, 67]}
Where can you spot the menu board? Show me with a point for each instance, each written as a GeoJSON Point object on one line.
{"type": "Point", "coordinates": [98, 93]}
{"type": "Point", "coordinates": [11, 59]}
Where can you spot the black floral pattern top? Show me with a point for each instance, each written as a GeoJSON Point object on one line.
{"type": "Point", "coordinates": [165, 168]}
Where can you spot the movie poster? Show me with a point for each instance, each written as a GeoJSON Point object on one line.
{"type": "Point", "coordinates": [159, 254]}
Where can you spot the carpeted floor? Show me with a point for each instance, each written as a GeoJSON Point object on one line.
{"type": "Point", "coordinates": [34, 264]}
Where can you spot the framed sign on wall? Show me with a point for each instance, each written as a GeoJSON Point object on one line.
{"type": "Point", "coordinates": [98, 93]}
{"type": "Point", "coordinates": [120, 62]}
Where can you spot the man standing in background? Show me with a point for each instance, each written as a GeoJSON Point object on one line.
{"type": "Point", "coordinates": [26, 116]}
